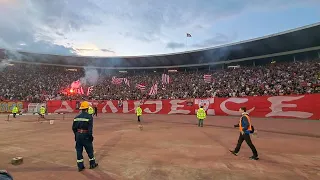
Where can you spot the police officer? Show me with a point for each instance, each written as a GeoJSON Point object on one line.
{"type": "Point", "coordinates": [245, 128]}
{"type": "Point", "coordinates": [82, 129]}
{"type": "Point", "coordinates": [201, 115]}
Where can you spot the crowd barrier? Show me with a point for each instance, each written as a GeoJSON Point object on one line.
{"type": "Point", "coordinates": [300, 106]}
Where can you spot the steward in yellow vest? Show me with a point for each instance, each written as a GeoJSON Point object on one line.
{"type": "Point", "coordinates": [201, 115]}
{"type": "Point", "coordinates": [90, 110]}
{"type": "Point", "coordinates": [15, 110]}
{"type": "Point", "coordinates": [42, 112]}
{"type": "Point", "coordinates": [139, 112]}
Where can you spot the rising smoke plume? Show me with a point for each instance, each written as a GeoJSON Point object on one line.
{"type": "Point", "coordinates": [91, 76]}
{"type": "Point", "coordinates": [9, 55]}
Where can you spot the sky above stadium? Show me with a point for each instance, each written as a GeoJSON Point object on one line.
{"type": "Point", "coordinates": [144, 27]}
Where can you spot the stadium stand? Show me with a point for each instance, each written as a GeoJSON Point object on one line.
{"type": "Point", "coordinates": [281, 64]}
{"type": "Point", "coordinates": [37, 83]}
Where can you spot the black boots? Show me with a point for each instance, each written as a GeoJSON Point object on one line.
{"type": "Point", "coordinates": [92, 166]}
{"type": "Point", "coordinates": [81, 169]}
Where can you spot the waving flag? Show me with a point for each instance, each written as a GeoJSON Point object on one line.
{"type": "Point", "coordinates": [90, 89]}
{"type": "Point", "coordinates": [207, 78]}
{"type": "Point", "coordinates": [80, 90]}
{"type": "Point", "coordinates": [126, 81]}
{"type": "Point", "coordinates": [142, 87]}
{"type": "Point", "coordinates": [75, 84]}
{"type": "Point", "coordinates": [116, 81]}
{"type": "Point", "coordinates": [154, 89]}
{"type": "Point", "coordinates": [165, 79]}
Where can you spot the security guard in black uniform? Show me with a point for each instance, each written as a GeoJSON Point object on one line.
{"type": "Point", "coordinates": [82, 129]}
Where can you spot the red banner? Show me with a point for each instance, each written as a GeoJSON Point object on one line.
{"type": "Point", "coordinates": [304, 106]}
{"type": "Point", "coordinates": [6, 106]}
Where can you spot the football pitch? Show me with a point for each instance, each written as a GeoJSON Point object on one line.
{"type": "Point", "coordinates": [170, 147]}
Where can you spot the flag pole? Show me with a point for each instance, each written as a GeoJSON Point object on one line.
{"type": "Point", "coordinates": [186, 41]}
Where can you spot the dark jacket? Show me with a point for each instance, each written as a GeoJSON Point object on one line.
{"type": "Point", "coordinates": [83, 121]}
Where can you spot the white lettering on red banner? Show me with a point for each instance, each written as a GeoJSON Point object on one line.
{"type": "Point", "coordinates": [175, 104]}
{"type": "Point", "coordinates": [67, 108]}
{"type": "Point", "coordinates": [277, 105]}
{"type": "Point", "coordinates": [306, 106]}
{"type": "Point", "coordinates": [234, 100]}
{"type": "Point", "coordinates": [111, 106]}
{"type": "Point", "coordinates": [125, 105]}
{"type": "Point", "coordinates": [158, 105]}
{"type": "Point", "coordinates": [206, 105]}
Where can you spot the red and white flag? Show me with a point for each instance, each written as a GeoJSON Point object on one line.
{"type": "Point", "coordinates": [76, 84]}
{"type": "Point", "coordinates": [90, 89]}
{"type": "Point", "coordinates": [207, 78]}
{"type": "Point", "coordinates": [142, 87]}
{"type": "Point", "coordinates": [154, 89]}
{"type": "Point", "coordinates": [126, 81]}
{"type": "Point", "coordinates": [165, 79]}
{"type": "Point", "coordinates": [80, 90]}
{"type": "Point", "coordinates": [116, 80]}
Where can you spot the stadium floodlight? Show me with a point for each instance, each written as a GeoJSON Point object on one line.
{"type": "Point", "coordinates": [123, 71]}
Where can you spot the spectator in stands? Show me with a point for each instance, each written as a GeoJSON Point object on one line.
{"type": "Point", "coordinates": [38, 83]}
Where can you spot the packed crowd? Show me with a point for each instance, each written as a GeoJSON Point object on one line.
{"type": "Point", "coordinates": [37, 83]}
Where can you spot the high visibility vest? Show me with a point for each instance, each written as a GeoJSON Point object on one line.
{"type": "Point", "coordinates": [249, 120]}
{"type": "Point", "coordinates": [139, 111]}
{"type": "Point", "coordinates": [42, 110]}
{"type": "Point", "coordinates": [15, 109]}
{"type": "Point", "coordinates": [201, 114]}
{"type": "Point", "coordinates": [90, 110]}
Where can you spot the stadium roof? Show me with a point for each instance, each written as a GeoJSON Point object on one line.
{"type": "Point", "coordinates": [298, 40]}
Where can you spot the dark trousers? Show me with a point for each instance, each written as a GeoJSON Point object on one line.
{"type": "Point", "coordinates": [95, 113]}
{"type": "Point", "coordinates": [138, 118]}
{"type": "Point", "coordinates": [200, 124]}
{"type": "Point", "coordinates": [246, 137]}
{"type": "Point", "coordinates": [83, 141]}
{"type": "Point", "coordinates": [14, 115]}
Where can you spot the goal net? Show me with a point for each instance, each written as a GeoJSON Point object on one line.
{"type": "Point", "coordinates": [35, 107]}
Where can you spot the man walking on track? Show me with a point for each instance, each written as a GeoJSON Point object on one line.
{"type": "Point", "coordinates": [82, 128]}
{"type": "Point", "coordinates": [245, 128]}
